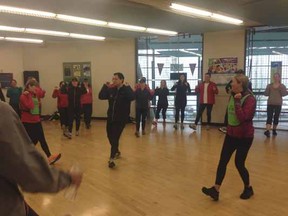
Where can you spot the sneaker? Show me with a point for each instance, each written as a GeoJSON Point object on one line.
{"type": "Point", "coordinates": [192, 126]}
{"type": "Point", "coordinates": [77, 133]}
{"type": "Point", "coordinates": [267, 133]}
{"type": "Point", "coordinates": [223, 129]}
{"type": "Point", "coordinates": [247, 193]}
{"type": "Point", "coordinates": [212, 192]}
{"type": "Point", "coordinates": [111, 164]}
{"type": "Point", "coordinates": [154, 123]}
{"type": "Point", "coordinates": [143, 132]}
{"type": "Point", "coordinates": [175, 126]}
{"type": "Point", "coordinates": [274, 133]}
{"type": "Point", "coordinates": [53, 158]}
{"type": "Point", "coordinates": [137, 134]}
{"type": "Point", "coordinates": [117, 155]}
{"type": "Point", "coordinates": [182, 126]}
{"type": "Point", "coordinates": [68, 134]}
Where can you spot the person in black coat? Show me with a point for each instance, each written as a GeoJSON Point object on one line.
{"type": "Point", "coordinates": [143, 95]}
{"type": "Point", "coordinates": [162, 103]}
{"type": "Point", "coordinates": [119, 96]}
{"type": "Point", "coordinates": [74, 105]}
{"type": "Point", "coordinates": [181, 87]}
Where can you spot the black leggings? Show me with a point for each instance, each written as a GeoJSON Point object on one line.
{"type": "Point", "coordinates": [87, 110]}
{"type": "Point", "coordinates": [63, 116]}
{"type": "Point", "coordinates": [201, 110]}
{"type": "Point", "coordinates": [140, 112]}
{"type": "Point", "coordinates": [74, 113]}
{"type": "Point", "coordinates": [114, 131]}
{"type": "Point", "coordinates": [36, 133]}
{"type": "Point", "coordinates": [164, 109]}
{"type": "Point", "coordinates": [242, 146]}
{"type": "Point", "coordinates": [273, 110]}
{"type": "Point", "coordinates": [178, 109]}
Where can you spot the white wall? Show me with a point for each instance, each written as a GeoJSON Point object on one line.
{"type": "Point", "coordinates": [106, 58]}
{"type": "Point", "coordinates": [219, 45]}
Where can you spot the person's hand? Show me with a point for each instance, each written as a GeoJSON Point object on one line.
{"type": "Point", "coordinates": [56, 88]}
{"type": "Point", "coordinates": [214, 88]}
{"type": "Point", "coordinates": [238, 96]}
{"type": "Point", "coordinates": [26, 92]}
{"type": "Point", "coordinates": [107, 84]}
{"type": "Point", "coordinates": [76, 178]}
{"type": "Point", "coordinates": [186, 83]}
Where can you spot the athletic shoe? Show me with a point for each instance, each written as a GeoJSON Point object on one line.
{"type": "Point", "coordinates": [223, 129]}
{"type": "Point", "coordinates": [247, 193]}
{"type": "Point", "coordinates": [143, 132]}
{"type": "Point", "coordinates": [267, 133]}
{"type": "Point", "coordinates": [68, 134]}
{"type": "Point", "coordinates": [154, 123]}
{"type": "Point", "coordinates": [274, 132]}
{"type": "Point", "coordinates": [53, 158]}
{"type": "Point", "coordinates": [212, 192]}
{"type": "Point", "coordinates": [182, 126]}
{"type": "Point", "coordinates": [175, 126]}
{"type": "Point", "coordinates": [193, 126]}
{"type": "Point", "coordinates": [117, 155]}
{"type": "Point", "coordinates": [111, 164]}
{"type": "Point", "coordinates": [137, 134]}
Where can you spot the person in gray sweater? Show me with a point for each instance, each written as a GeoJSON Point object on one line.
{"type": "Point", "coordinates": [275, 91]}
{"type": "Point", "coordinates": [21, 165]}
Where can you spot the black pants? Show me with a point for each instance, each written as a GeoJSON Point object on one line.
{"type": "Point", "coordinates": [159, 108]}
{"type": "Point", "coordinates": [201, 110]}
{"type": "Point", "coordinates": [178, 109]}
{"type": "Point", "coordinates": [241, 146]}
{"type": "Point", "coordinates": [141, 115]}
{"type": "Point", "coordinates": [114, 131]}
{"type": "Point", "coordinates": [63, 116]}
{"type": "Point", "coordinates": [29, 210]}
{"type": "Point", "coordinates": [36, 133]}
{"type": "Point", "coordinates": [16, 109]}
{"type": "Point", "coordinates": [273, 110]}
{"type": "Point", "coordinates": [226, 118]}
{"type": "Point", "coordinates": [87, 111]}
{"type": "Point", "coordinates": [74, 113]}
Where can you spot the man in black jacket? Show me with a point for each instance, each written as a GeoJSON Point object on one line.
{"type": "Point", "coordinates": [119, 96]}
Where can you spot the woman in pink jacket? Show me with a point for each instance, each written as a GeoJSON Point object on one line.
{"type": "Point", "coordinates": [30, 117]}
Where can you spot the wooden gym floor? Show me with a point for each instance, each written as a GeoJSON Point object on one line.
{"type": "Point", "coordinates": [162, 173]}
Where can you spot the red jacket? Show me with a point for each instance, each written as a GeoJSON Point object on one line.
{"type": "Point", "coordinates": [245, 114]}
{"type": "Point", "coordinates": [26, 104]}
{"type": "Point", "coordinates": [62, 99]}
{"type": "Point", "coordinates": [212, 90]}
{"type": "Point", "coordinates": [87, 97]}
{"type": "Point", "coordinates": [40, 93]}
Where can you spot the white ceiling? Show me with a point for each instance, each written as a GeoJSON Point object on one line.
{"type": "Point", "coordinates": [147, 13]}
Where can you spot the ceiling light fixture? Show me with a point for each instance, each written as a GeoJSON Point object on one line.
{"type": "Point", "coordinates": [12, 29]}
{"type": "Point", "coordinates": [26, 40]}
{"type": "Point", "coordinates": [46, 32]}
{"type": "Point", "coordinates": [205, 14]}
{"type": "Point", "coordinates": [126, 27]}
{"type": "Point", "coordinates": [26, 12]}
{"type": "Point", "coordinates": [161, 32]}
{"type": "Point", "coordinates": [1, 38]}
{"type": "Point", "coordinates": [80, 20]}
{"type": "Point", "coordinates": [88, 37]}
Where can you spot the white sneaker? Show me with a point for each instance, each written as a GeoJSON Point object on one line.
{"type": "Point", "coordinates": [223, 129]}
{"type": "Point", "coordinates": [68, 134]}
{"type": "Point", "coordinates": [193, 126]}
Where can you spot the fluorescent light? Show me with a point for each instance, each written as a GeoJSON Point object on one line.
{"type": "Point", "coordinates": [46, 32]}
{"type": "Point", "coordinates": [161, 32]}
{"type": "Point", "coordinates": [80, 20]}
{"type": "Point", "coordinates": [27, 12]}
{"type": "Point", "coordinates": [279, 53]}
{"type": "Point", "coordinates": [88, 37]}
{"type": "Point", "coordinates": [26, 40]}
{"type": "Point", "coordinates": [205, 14]}
{"type": "Point", "coordinates": [10, 28]}
{"type": "Point", "coordinates": [190, 10]}
{"type": "Point", "coordinates": [226, 19]}
{"type": "Point", "coordinates": [191, 52]}
{"type": "Point", "coordinates": [1, 38]}
{"type": "Point", "coordinates": [126, 27]}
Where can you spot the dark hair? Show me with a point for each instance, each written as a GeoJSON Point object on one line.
{"type": "Point", "coordinates": [240, 71]}
{"type": "Point", "coordinates": [13, 80]}
{"type": "Point", "coordinates": [74, 79]}
{"type": "Point", "coordinates": [209, 74]}
{"type": "Point", "coordinates": [120, 75]}
{"type": "Point", "coordinates": [142, 80]}
{"type": "Point", "coordinates": [185, 79]}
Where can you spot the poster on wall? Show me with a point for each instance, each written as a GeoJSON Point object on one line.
{"type": "Point", "coordinates": [81, 70]}
{"type": "Point", "coordinates": [5, 79]}
{"type": "Point", "coordinates": [276, 67]}
{"type": "Point", "coordinates": [222, 69]}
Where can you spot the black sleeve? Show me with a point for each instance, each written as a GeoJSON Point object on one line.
{"type": "Point", "coordinates": [104, 93]}
{"type": "Point", "coordinates": [2, 98]}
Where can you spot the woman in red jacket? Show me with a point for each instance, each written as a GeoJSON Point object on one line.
{"type": "Point", "coordinates": [30, 117]}
{"type": "Point", "coordinates": [86, 102]}
{"type": "Point", "coordinates": [239, 136]}
{"type": "Point", "coordinates": [61, 94]}
{"type": "Point", "coordinates": [207, 91]}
